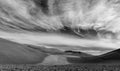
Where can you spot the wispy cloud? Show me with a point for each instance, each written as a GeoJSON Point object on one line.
{"type": "Point", "coordinates": [16, 15]}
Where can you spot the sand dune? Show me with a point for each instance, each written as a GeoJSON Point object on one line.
{"type": "Point", "coordinates": [14, 53]}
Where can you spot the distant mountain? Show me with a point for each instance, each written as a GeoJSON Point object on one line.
{"type": "Point", "coordinates": [77, 53]}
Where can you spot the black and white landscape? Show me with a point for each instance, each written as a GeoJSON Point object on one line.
{"type": "Point", "coordinates": [59, 32]}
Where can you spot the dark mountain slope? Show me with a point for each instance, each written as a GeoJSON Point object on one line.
{"type": "Point", "coordinates": [110, 57]}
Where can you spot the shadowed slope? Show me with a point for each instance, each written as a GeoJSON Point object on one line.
{"type": "Point", "coordinates": [13, 53]}
{"type": "Point", "coordinates": [110, 57]}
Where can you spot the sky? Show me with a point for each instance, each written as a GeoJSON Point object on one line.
{"type": "Point", "coordinates": [16, 16]}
